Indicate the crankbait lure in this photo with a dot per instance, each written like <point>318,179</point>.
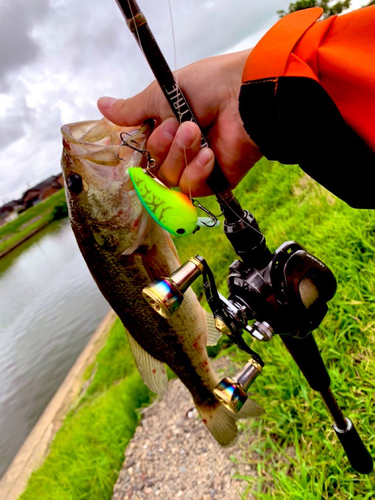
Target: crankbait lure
<point>172,210</point>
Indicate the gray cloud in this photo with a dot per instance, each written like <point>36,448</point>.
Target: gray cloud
<point>215,26</point>
<point>18,18</point>
<point>12,126</point>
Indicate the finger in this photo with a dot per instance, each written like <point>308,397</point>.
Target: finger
<point>185,146</point>
<point>150,103</point>
<point>160,140</point>
<point>195,175</point>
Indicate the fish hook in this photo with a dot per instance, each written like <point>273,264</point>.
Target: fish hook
<point>213,218</point>
<point>151,162</point>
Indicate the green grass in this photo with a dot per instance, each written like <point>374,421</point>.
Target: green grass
<point>88,451</point>
<point>296,453</point>
<point>31,220</point>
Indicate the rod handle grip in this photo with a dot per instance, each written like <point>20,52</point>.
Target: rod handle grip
<point>358,455</point>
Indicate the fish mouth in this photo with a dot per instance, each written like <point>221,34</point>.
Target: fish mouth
<point>97,149</point>
<point>100,141</point>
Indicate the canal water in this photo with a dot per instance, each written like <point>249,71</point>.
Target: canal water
<point>49,308</point>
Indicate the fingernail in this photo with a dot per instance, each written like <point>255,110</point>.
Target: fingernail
<point>170,127</point>
<point>205,155</point>
<point>106,102</point>
<point>186,135</point>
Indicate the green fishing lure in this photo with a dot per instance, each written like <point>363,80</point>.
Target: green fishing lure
<point>172,210</point>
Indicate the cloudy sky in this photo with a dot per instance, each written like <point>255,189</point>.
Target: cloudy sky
<point>59,56</point>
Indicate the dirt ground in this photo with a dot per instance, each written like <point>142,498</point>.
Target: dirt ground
<point>173,456</point>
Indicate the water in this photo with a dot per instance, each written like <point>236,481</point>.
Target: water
<point>49,307</point>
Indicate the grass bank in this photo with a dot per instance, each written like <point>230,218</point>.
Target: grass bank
<point>31,221</point>
<point>88,451</point>
<point>296,453</point>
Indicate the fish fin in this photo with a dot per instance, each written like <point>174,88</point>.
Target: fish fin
<point>142,230</point>
<point>249,409</point>
<point>213,334</point>
<point>150,369</point>
<point>220,422</point>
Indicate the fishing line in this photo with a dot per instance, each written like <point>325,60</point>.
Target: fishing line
<point>175,74</point>
<point>179,115</point>
<point>178,87</point>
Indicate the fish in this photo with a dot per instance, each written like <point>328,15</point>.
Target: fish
<point>125,250</point>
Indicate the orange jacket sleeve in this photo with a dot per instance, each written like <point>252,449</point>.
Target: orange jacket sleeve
<point>308,97</point>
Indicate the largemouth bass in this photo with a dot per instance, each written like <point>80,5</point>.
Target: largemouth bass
<point>125,250</point>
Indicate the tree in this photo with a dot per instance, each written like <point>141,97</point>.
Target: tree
<point>332,10</point>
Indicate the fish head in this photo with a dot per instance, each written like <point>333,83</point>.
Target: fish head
<point>102,202</point>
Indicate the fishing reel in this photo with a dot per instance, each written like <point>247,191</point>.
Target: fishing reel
<point>283,293</point>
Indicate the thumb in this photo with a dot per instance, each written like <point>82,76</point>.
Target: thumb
<point>150,103</point>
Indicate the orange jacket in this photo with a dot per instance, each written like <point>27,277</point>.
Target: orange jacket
<point>308,97</point>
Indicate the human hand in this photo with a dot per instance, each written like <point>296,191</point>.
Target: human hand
<point>211,87</point>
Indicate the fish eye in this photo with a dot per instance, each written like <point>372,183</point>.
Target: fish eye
<point>74,183</point>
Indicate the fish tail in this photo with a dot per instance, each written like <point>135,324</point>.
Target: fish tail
<point>222,422</point>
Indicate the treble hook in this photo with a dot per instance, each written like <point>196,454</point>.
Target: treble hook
<point>214,219</point>
<point>151,162</point>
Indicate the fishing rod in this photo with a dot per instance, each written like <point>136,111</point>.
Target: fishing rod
<point>283,293</point>
<point>137,24</point>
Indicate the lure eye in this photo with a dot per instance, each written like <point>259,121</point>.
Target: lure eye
<point>74,183</point>
<point>180,231</point>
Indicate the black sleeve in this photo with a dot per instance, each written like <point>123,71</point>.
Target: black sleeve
<point>294,121</point>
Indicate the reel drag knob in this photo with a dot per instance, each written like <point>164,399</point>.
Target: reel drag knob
<point>232,392</point>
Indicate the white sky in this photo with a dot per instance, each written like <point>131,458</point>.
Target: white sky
<point>59,56</point>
